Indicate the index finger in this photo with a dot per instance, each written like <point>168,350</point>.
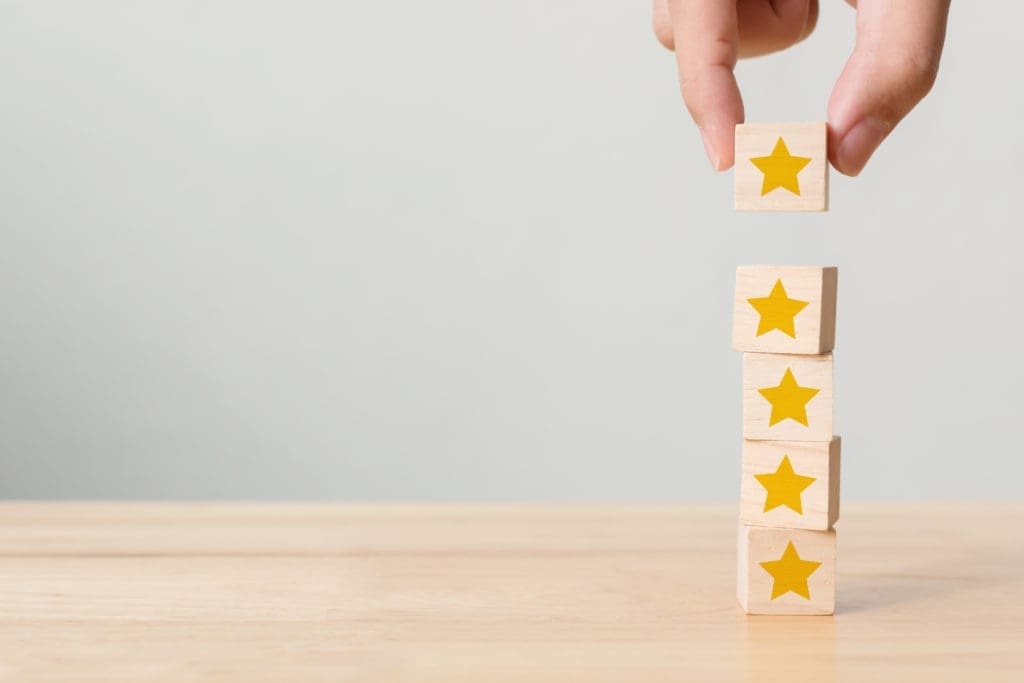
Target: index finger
<point>706,43</point>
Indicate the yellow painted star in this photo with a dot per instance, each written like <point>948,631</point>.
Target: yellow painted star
<point>784,487</point>
<point>790,573</point>
<point>789,400</point>
<point>780,169</point>
<point>777,311</point>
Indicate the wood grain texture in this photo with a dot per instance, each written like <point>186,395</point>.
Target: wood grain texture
<point>758,544</point>
<point>819,502</point>
<point>813,327</point>
<point>767,370</point>
<point>757,140</point>
<point>500,593</point>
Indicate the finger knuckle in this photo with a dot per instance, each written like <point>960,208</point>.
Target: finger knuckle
<point>916,72</point>
<point>663,32</point>
<point>661,22</point>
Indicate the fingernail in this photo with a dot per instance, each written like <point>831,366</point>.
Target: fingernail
<point>709,149</point>
<point>859,144</point>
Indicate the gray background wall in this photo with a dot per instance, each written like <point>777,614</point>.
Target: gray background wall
<point>464,250</point>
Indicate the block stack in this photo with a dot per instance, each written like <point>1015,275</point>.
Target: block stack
<point>784,323</point>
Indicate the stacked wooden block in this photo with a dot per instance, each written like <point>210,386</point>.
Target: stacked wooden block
<point>784,323</point>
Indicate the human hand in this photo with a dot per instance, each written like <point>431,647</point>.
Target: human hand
<point>893,65</point>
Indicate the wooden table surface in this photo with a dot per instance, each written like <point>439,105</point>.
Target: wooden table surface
<point>485,594</point>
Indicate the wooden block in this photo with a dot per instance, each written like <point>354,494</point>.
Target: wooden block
<point>785,309</point>
<point>787,398</point>
<point>782,167</point>
<point>786,571</point>
<point>793,484</point>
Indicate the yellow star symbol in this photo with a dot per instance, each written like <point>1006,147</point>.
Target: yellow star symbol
<point>780,169</point>
<point>784,487</point>
<point>777,311</point>
<point>790,573</point>
<point>789,400</point>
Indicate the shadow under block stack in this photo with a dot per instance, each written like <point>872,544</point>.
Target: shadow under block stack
<point>784,323</point>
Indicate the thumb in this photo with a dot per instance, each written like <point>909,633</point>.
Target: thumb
<point>892,68</point>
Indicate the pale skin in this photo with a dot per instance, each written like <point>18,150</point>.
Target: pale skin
<point>893,65</point>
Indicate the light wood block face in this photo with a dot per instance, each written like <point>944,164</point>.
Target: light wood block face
<point>792,484</point>
<point>785,309</point>
<point>787,398</point>
<point>781,167</point>
<point>786,571</point>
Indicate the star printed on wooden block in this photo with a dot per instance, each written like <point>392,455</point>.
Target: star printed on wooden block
<point>784,486</point>
<point>790,573</point>
<point>777,311</point>
<point>780,169</point>
<point>789,400</point>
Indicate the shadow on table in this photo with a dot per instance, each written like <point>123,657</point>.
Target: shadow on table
<point>938,574</point>
<point>928,564</point>
<point>867,592</point>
